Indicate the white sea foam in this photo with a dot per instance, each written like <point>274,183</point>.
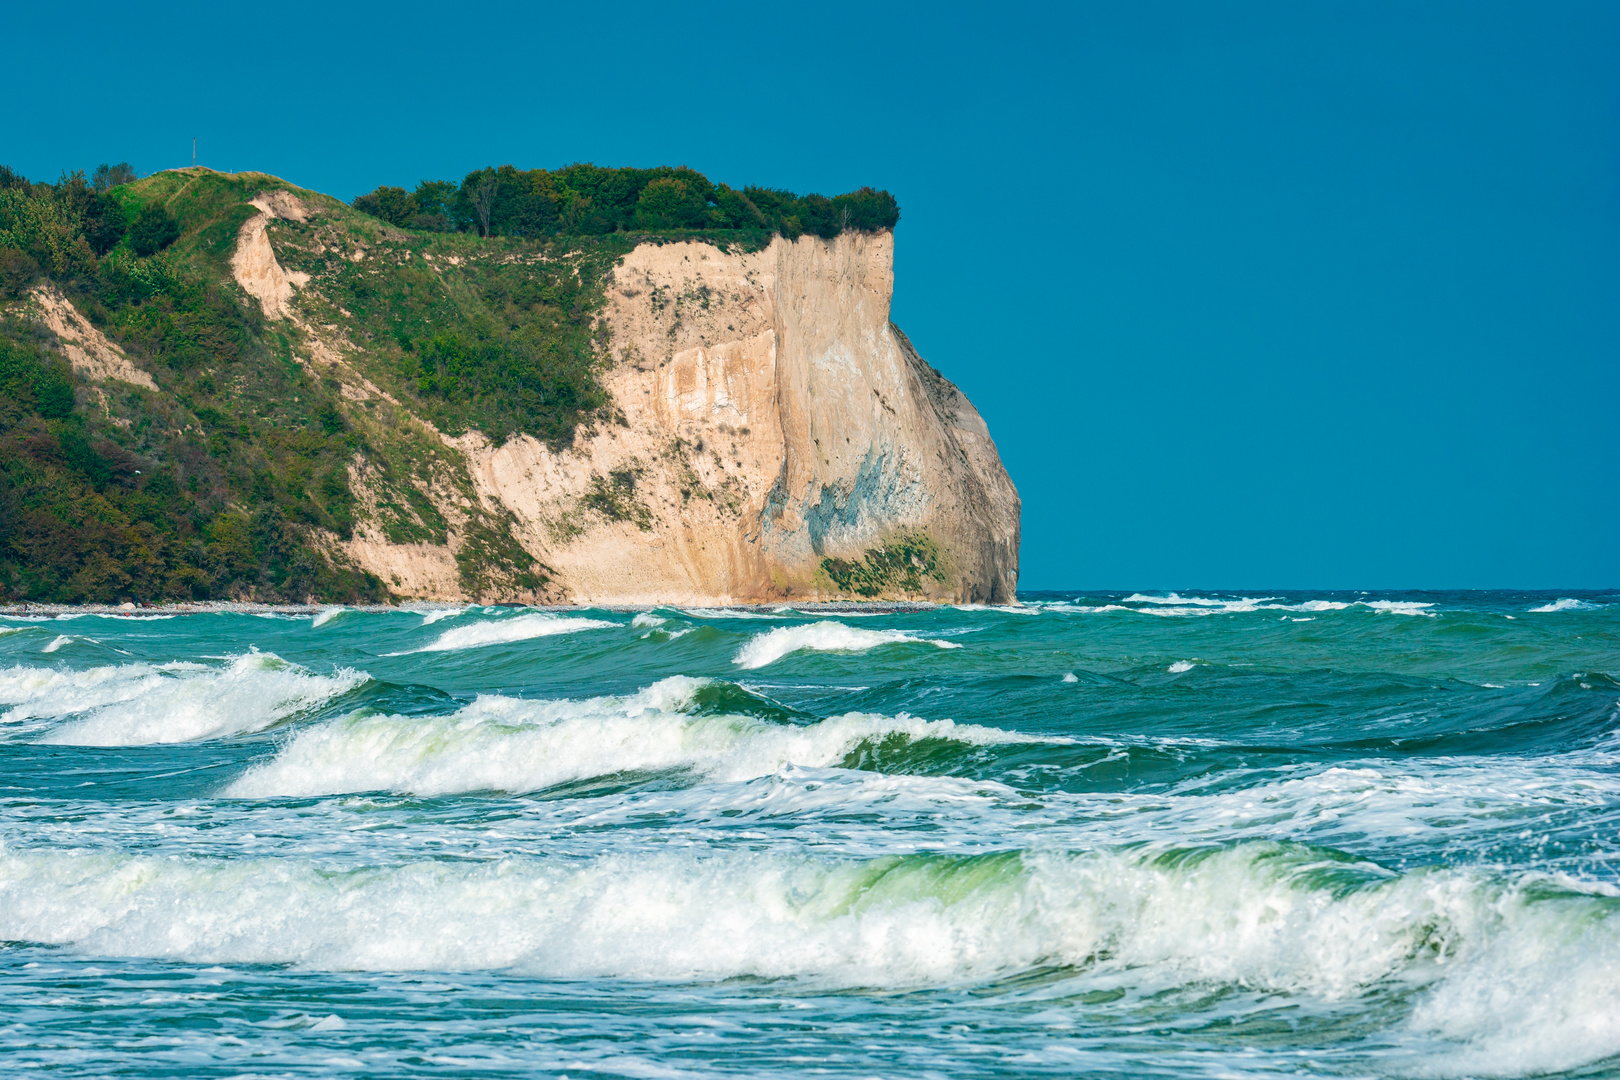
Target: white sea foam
<point>1398,607</point>
<point>1194,601</point>
<point>57,642</point>
<point>737,613</point>
<point>1181,666</point>
<point>511,744</point>
<point>503,631</point>
<point>1069,676</point>
<point>1516,973</point>
<point>1568,603</point>
<point>646,619</point>
<point>326,615</point>
<point>769,647</point>
<point>137,704</point>
<point>429,617</point>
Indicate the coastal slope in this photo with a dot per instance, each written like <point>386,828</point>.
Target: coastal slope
<point>284,398</point>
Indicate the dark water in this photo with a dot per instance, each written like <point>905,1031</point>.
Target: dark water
<point>1101,835</point>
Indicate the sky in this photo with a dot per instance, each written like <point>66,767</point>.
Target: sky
<point>1251,295</point>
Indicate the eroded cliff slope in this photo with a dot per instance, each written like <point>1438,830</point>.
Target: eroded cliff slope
<point>777,437</point>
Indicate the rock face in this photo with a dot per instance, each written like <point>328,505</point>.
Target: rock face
<point>777,438</point>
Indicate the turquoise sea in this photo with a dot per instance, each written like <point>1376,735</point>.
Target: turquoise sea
<point>1104,834</point>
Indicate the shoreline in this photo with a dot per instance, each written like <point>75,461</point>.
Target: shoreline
<point>240,607</point>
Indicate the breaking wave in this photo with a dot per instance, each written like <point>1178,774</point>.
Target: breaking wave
<point>516,745</point>
<point>503,631</point>
<point>1567,603</point>
<point>1517,968</point>
<point>140,704</point>
<point>829,636</point>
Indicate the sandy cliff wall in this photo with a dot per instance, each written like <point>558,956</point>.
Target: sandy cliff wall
<point>772,419</point>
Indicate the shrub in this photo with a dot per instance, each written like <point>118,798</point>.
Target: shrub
<point>154,229</point>
<point>17,271</point>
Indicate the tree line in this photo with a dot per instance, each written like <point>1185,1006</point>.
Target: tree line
<point>591,200</point>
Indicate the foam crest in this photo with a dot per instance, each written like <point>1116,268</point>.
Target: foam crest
<point>1568,603</point>
<point>139,704</point>
<point>1398,607</point>
<point>326,615</point>
<point>737,613</point>
<point>429,617</point>
<point>503,631</point>
<point>511,744</point>
<point>1518,971</point>
<point>829,636</point>
<point>1192,601</point>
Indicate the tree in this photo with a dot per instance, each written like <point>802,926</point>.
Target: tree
<point>392,204</point>
<point>435,203</point>
<point>154,229</point>
<point>483,202</point>
<point>668,203</point>
<point>106,177</point>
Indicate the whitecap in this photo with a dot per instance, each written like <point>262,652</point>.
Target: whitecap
<point>139,704</point>
<point>646,619</point>
<point>1398,607</point>
<point>438,614</point>
<point>57,642</point>
<point>326,615</point>
<point>1181,666</point>
<point>1568,603</point>
<point>825,636</point>
<point>737,613</point>
<point>1513,974</point>
<point>510,744</point>
<point>503,631</point>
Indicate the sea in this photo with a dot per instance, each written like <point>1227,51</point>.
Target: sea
<point>1099,834</point>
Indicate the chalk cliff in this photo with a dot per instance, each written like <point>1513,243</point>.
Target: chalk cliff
<point>776,434</point>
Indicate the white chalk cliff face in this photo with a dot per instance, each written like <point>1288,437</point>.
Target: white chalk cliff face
<point>776,433</point>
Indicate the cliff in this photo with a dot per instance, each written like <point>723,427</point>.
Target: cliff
<point>776,433</point>
<point>630,420</point>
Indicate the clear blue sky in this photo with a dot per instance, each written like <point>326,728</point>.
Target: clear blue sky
<point>1251,294</point>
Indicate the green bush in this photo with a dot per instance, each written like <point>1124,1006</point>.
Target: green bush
<point>18,270</point>
<point>154,229</point>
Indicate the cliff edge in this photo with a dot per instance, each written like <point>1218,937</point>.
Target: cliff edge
<point>777,437</point>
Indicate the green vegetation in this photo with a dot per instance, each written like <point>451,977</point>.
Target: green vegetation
<point>901,565</point>
<point>589,200</point>
<point>217,487</point>
<point>445,310</point>
<point>614,497</point>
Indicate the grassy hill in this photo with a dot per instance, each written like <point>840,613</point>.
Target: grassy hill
<point>269,441</point>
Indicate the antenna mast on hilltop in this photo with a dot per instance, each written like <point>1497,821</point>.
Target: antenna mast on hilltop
<point>194,151</point>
